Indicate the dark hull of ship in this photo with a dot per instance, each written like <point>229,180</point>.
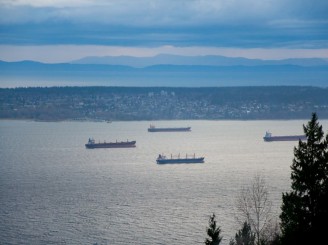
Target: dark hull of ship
<point>112,145</point>
<point>181,160</point>
<point>285,138</point>
<point>168,129</point>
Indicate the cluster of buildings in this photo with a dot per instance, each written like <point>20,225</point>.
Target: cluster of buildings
<point>164,104</point>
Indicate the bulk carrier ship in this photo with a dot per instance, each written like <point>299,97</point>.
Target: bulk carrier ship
<point>122,144</point>
<point>152,128</point>
<point>161,159</point>
<point>268,137</point>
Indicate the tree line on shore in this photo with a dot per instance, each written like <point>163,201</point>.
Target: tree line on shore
<point>304,209</point>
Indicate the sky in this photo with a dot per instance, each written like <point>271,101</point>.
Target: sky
<point>60,30</point>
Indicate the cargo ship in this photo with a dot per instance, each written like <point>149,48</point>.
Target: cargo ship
<point>268,137</point>
<point>152,128</point>
<point>122,144</point>
<point>161,159</point>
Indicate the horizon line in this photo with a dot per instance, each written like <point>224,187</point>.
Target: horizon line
<point>70,53</point>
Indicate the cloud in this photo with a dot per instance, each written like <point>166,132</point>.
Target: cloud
<point>233,23</point>
<point>48,3</point>
<point>165,12</point>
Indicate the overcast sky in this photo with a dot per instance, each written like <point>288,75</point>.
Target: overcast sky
<point>62,30</point>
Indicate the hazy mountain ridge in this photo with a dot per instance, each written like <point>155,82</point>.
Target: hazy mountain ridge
<point>207,60</point>
<point>165,74</point>
<point>27,65</point>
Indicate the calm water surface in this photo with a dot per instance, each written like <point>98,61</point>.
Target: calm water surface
<point>54,191</point>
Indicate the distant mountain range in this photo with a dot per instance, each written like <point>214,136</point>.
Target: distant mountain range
<point>208,60</point>
<point>167,70</point>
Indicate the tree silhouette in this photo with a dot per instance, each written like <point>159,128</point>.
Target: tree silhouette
<point>305,208</point>
<point>213,232</point>
<point>245,236</point>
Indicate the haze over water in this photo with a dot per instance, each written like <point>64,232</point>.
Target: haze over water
<point>54,191</point>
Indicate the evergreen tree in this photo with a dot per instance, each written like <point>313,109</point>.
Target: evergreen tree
<point>305,208</point>
<point>245,236</point>
<point>213,232</point>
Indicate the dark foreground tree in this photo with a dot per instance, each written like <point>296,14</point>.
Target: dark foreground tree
<point>304,214</point>
<point>213,232</point>
<point>245,236</point>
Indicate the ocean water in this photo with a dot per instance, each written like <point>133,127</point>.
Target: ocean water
<point>54,191</point>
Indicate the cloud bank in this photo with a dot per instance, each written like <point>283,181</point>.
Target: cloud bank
<point>61,30</point>
<point>163,12</point>
<point>233,24</point>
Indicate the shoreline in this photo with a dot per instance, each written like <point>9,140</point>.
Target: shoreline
<point>159,120</point>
